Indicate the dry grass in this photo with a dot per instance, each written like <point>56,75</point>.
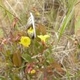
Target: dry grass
<point>52,14</point>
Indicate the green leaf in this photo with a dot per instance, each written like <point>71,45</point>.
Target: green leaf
<point>67,18</point>
<point>65,22</point>
<point>2,78</point>
<point>14,76</point>
<point>27,57</point>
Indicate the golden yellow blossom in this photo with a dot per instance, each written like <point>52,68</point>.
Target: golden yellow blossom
<point>30,30</point>
<point>43,37</point>
<point>33,71</point>
<point>25,41</point>
<point>37,13</point>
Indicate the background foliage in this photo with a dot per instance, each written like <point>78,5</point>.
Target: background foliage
<point>55,59</point>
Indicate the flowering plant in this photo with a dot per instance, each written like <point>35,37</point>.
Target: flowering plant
<point>26,57</point>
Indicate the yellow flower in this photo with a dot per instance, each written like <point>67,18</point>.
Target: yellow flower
<point>37,13</point>
<point>30,30</point>
<point>25,41</point>
<point>33,71</point>
<point>43,37</point>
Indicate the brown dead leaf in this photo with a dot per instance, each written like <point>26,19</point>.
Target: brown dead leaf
<point>41,29</point>
<point>58,67</point>
<point>55,65</point>
<point>17,61</point>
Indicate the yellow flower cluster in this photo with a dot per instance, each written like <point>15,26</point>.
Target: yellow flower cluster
<point>26,41</point>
